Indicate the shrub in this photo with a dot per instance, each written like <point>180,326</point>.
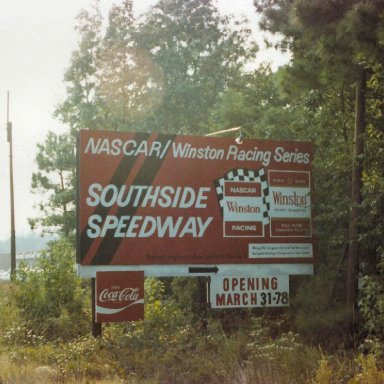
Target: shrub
<point>371,309</point>
<point>369,372</point>
<point>278,357</point>
<point>317,316</point>
<point>325,374</point>
<point>50,297</point>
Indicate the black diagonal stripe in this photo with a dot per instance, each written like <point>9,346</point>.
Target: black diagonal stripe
<point>118,178</point>
<point>145,176</point>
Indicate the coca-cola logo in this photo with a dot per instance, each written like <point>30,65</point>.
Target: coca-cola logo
<point>119,295</point>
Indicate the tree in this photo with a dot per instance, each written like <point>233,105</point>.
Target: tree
<point>81,108</point>
<point>50,297</point>
<point>130,84</point>
<point>54,183</point>
<point>55,180</point>
<point>199,53</point>
<point>167,73</point>
<point>335,44</point>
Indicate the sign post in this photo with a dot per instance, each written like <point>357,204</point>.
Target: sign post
<point>96,326</point>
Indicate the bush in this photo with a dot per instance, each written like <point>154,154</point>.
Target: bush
<point>280,358</point>
<point>317,316</point>
<point>371,309</point>
<point>368,373</point>
<point>50,297</point>
<point>169,345</point>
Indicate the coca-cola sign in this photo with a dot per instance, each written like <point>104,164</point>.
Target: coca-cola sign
<point>119,296</point>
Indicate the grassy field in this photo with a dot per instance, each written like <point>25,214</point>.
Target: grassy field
<point>48,341</point>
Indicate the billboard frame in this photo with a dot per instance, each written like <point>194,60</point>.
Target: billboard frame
<point>185,270</point>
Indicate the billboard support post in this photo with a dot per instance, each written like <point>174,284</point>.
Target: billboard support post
<point>96,327</point>
<point>202,300</point>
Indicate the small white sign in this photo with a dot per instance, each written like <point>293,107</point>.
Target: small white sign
<point>249,291</point>
<point>280,250</point>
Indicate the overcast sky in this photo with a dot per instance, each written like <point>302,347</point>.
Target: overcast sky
<point>36,41</point>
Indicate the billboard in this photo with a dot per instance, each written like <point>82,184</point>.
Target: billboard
<point>156,199</point>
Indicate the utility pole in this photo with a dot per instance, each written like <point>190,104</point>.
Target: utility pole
<point>13,236</point>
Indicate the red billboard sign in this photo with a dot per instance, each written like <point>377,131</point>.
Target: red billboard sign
<point>119,296</point>
<point>151,199</point>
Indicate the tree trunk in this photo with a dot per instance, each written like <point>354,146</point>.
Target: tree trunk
<point>356,190</point>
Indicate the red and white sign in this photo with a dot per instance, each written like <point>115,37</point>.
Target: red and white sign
<point>153,199</point>
<point>249,291</point>
<point>119,296</point>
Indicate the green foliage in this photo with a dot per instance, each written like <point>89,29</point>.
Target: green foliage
<point>278,357</point>
<point>199,54</point>
<point>54,184</point>
<point>80,108</point>
<point>327,39</point>
<point>256,103</point>
<point>317,314</point>
<point>373,176</point>
<point>324,373</point>
<point>185,293</point>
<point>328,42</point>
<point>369,372</point>
<point>83,357</point>
<point>180,69</point>
<point>371,309</point>
<point>170,346</point>
<point>50,297</point>
<point>167,73</point>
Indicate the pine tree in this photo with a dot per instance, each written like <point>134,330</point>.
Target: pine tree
<point>54,183</point>
<point>335,44</point>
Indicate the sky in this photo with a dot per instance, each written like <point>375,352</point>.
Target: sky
<point>36,41</point>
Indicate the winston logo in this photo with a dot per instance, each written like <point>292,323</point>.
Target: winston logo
<point>292,199</point>
<point>120,296</point>
<point>243,196</point>
<point>233,206</point>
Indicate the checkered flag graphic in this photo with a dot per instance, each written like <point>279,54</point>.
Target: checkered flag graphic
<point>246,175</point>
